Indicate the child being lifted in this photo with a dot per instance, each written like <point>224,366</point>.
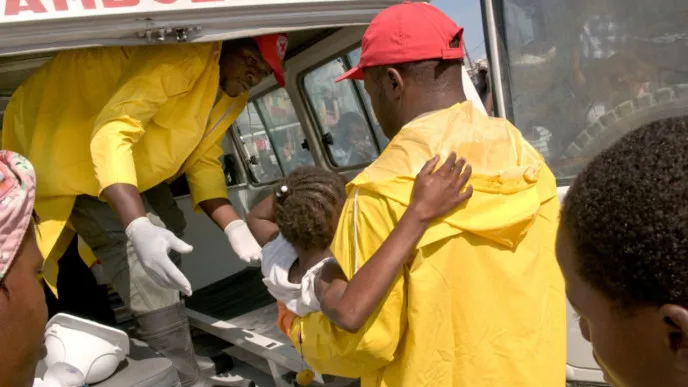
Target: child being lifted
<point>296,226</point>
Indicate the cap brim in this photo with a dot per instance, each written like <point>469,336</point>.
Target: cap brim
<point>354,73</point>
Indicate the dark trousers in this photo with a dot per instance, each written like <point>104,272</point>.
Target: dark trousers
<point>80,294</point>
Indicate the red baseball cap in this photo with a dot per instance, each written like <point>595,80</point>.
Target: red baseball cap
<point>273,48</point>
<point>407,32</point>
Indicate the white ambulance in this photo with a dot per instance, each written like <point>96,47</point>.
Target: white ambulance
<point>572,76</point>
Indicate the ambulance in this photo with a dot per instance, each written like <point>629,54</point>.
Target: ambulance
<point>573,76</point>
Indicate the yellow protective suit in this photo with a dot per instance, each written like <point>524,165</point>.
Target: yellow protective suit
<point>138,115</point>
<point>483,302</point>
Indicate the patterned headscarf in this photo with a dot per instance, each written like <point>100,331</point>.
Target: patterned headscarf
<point>17,194</point>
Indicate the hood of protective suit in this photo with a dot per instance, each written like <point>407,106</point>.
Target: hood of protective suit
<point>506,170</point>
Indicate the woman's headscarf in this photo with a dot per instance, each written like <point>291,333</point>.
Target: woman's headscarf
<point>17,194</point>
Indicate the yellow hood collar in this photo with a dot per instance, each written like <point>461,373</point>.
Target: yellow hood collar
<point>510,179</point>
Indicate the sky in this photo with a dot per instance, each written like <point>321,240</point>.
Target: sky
<point>467,14</point>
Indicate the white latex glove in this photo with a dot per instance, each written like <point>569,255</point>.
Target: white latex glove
<point>152,245</point>
<point>243,243</point>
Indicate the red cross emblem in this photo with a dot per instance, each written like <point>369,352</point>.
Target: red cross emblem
<point>281,46</point>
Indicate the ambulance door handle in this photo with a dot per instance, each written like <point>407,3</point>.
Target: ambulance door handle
<point>328,139</point>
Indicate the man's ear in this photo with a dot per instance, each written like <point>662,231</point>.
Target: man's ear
<point>675,320</point>
<point>396,82</point>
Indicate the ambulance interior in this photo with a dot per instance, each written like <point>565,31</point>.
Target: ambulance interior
<point>315,121</point>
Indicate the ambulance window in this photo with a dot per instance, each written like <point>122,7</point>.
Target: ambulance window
<point>229,162</point>
<point>256,147</point>
<point>284,130</point>
<point>341,117</point>
<point>579,75</point>
<point>354,57</point>
<point>270,136</point>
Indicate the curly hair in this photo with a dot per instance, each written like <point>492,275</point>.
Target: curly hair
<point>627,217</point>
<point>307,205</point>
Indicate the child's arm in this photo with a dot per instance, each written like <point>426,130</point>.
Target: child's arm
<point>350,304</point>
<point>261,221</point>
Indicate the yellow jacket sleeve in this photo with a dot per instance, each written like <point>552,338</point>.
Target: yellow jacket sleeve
<point>10,140</point>
<point>206,178</point>
<point>151,77</point>
<point>324,346</point>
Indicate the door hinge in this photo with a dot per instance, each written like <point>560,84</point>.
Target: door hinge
<point>180,34</point>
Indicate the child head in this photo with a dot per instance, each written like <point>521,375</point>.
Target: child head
<point>307,207</point>
<point>23,312</point>
<point>622,246</point>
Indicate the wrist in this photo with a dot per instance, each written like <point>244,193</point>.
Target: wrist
<point>233,225</point>
<point>416,214</point>
<point>130,229</point>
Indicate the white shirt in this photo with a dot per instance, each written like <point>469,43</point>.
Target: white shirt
<point>278,257</point>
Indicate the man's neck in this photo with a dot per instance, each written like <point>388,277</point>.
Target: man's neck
<point>433,103</point>
<point>425,114</point>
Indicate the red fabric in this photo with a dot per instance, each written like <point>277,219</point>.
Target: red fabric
<point>284,318</point>
<point>407,32</point>
<point>273,48</point>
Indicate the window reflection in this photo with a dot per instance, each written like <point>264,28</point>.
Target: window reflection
<point>354,58</point>
<point>584,73</point>
<point>256,145</point>
<point>271,137</point>
<point>285,130</point>
<point>340,116</point>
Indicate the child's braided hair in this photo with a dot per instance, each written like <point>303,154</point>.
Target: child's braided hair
<point>307,206</point>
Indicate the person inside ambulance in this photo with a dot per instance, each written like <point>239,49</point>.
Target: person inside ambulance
<point>106,129</point>
<point>482,303</point>
<point>23,312</point>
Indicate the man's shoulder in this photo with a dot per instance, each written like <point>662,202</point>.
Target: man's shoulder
<point>173,54</point>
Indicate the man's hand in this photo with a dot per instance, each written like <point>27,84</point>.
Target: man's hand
<point>436,194</point>
<point>240,238</point>
<point>152,245</point>
<point>243,242</point>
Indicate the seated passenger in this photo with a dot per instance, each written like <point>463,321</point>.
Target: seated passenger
<point>357,146</point>
<point>296,226</point>
<point>622,246</point>
<point>23,312</point>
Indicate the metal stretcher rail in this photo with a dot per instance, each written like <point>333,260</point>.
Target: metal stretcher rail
<point>240,311</point>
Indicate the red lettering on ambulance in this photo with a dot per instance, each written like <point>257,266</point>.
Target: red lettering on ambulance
<point>89,4</point>
<point>60,5</point>
<point>120,3</point>
<point>13,7</point>
<point>165,1</point>
<point>204,1</point>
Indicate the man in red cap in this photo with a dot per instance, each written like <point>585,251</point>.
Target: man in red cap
<point>481,301</point>
<point>106,129</point>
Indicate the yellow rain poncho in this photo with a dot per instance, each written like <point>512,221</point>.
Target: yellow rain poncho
<point>138,115</point>
<point>483,302</point>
